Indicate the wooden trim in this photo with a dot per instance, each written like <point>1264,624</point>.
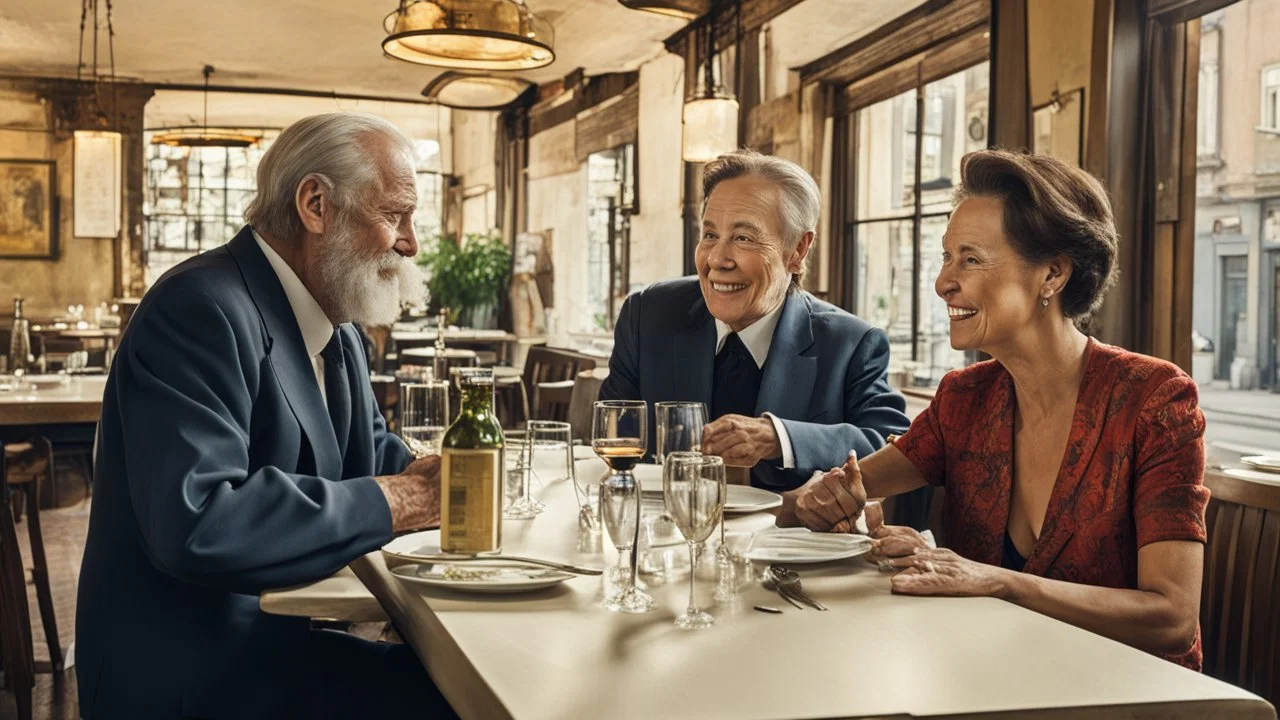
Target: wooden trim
<point>1181,11</point>
<point>755,14</point>
<point>1184,249</point>
<point>1242,492</point>
<point>1009,94</point>
<point>609,125</point>
<point>1162,290</point>
<point>591,93</point>
<point>927,26</point>
<point>963,52</point>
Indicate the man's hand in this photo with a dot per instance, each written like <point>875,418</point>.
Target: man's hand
<point>414,495</point>
<point>740,440</point>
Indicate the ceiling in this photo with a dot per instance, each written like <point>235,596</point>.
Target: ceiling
<point>335,46</point>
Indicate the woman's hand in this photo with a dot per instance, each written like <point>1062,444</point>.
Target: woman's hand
<point>830,502</point>
<point>942,572</point>
<point>894,541</point>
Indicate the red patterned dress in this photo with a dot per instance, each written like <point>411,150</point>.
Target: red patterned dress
<point>1131,474</point>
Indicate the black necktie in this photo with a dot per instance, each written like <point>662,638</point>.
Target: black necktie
<point>337,389</point>
<point>737,380</point>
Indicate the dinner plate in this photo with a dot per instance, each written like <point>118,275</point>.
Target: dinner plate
<point>1270,463</point>
<point>488,578</point>
<point>1269,478</point>
<point>800,545</point>
<point>738,500</point>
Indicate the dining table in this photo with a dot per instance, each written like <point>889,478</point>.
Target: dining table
<point>77,399</point>
<point>557,653</point>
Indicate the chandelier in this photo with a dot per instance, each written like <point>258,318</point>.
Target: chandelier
<point>469,35</point>
<point>710,122</point>
<point>204,136</point>
<point>475,92</point>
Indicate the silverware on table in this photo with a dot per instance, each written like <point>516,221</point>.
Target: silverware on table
<point>771,584</point>
<point>509,559</point>
<point>788,581</point>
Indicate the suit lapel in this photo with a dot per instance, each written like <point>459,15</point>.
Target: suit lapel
<point>789,373</point>
<point>340,393</point>
<point>692,359</point>
<point>1062,515</point>
<point>287,353</point>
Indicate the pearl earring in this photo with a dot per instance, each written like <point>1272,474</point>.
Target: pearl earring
<point>1044,302</point>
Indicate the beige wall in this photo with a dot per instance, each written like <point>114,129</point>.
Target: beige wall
<point>83,273</point>
<point>474,167</point>
<point>657,232</point>
<point>558,203</point>
<point>1059,49</point>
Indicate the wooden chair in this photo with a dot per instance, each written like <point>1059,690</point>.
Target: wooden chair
<point>586,390</point>
<point>15,616</point>
<point>549,377</point>
<point>1240,597</point>
<point>29,466</point>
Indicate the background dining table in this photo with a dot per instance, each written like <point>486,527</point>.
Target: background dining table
<point>556,653</point>
<point>78,400</point>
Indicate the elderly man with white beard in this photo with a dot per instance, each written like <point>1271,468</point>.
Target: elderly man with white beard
<point>240,449</point>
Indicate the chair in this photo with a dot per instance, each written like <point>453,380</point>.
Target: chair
<point>586,389</point>
<point>29,465</point>
<point>1240,597</point>
<point>549,376</point>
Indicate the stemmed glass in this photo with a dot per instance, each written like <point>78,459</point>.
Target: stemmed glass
<point>619,436</point>
<point>424,416</point>
<point>679,427</point>
<point>694,488</point>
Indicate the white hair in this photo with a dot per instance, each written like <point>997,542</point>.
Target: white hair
<point>799,197</point>
<point>333,147</point>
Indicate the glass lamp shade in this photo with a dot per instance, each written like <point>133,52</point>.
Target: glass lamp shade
<point>203,137</point>
<point>710,128</point>
<point>683,9</point>
<point>475,92</point>
<point>469,35</point>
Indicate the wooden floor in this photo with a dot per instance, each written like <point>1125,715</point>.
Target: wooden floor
<point>64,533</point>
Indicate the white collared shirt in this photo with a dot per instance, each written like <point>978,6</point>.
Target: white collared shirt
<point>316,328</point>
<point>758,338</point>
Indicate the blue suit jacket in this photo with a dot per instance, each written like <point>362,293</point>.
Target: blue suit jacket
<point>825,376</point>
<point>219,474</point>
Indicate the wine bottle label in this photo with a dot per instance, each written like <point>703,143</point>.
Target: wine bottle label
<point>471,510</point>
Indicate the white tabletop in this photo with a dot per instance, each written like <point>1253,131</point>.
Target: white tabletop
<point>453,336</point>
<point>79,400</point>
<point>558,654</point>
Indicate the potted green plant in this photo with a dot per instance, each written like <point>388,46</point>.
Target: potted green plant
<point>467,277</point>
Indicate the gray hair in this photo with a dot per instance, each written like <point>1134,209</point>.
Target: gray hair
<point>799,198</point>
<point>335,148</point>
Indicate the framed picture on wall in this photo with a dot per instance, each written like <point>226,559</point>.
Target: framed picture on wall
<point>95,186</point>
<point>28,210</point>
<point>1059,127</point>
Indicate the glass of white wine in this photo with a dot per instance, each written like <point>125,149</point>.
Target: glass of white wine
<point>619,437</point>
<point>693,486</point>
<point>424,416</point>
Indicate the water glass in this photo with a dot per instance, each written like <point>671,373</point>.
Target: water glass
<point>679,427</point>
<point>619,436</point>
<point>693,486</point>
<point>424,416</point>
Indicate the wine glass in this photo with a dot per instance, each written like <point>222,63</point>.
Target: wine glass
<point>693,486</point>
<point>424,416</point>
<point>679,427</point>
<point>619,436</point>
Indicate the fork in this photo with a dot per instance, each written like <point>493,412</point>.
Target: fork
<point>789,580</point>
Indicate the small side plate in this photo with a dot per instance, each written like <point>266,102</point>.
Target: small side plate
<point>488,578</point>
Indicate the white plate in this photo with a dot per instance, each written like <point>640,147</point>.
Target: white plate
<point>1269,478</point>
<point>799,545</point>
<point>1270,463</point>
<point>480,578</point>
<point>739,499</point>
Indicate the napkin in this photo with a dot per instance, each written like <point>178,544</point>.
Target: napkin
<point>789,543</point>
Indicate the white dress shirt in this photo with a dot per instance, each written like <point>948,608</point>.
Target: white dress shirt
<point>758,338</point>
<point>316,328</point>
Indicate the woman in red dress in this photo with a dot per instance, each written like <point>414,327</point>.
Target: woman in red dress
<point>1072,468</point>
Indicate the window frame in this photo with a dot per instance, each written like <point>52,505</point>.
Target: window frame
<point>1272,107</point>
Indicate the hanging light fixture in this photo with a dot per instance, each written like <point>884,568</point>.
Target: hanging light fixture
<point>683,9</point>
<point>469,35</point>
<point>711,118</point>
<point>204,136</point>
<point>475,92</point>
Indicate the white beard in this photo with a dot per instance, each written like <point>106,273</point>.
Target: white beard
<point>356,287</point>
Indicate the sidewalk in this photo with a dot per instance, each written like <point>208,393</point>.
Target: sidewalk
<point>1262,405</point>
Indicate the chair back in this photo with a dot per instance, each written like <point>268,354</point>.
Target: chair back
<point>1240,597</point>
<point>549,377</point>
<point>586,390</point>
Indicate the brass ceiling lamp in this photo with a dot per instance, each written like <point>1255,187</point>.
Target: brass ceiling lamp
<point>710,122</point>
<point>683,9</point>
<point>475,92</point>
<point>204,136</point>
<point>469,35</point>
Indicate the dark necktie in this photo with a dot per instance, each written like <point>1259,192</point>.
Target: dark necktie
<point>337,389</point>
<point>737,380</point>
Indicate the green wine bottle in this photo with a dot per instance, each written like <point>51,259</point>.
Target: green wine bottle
<point>471,470</point>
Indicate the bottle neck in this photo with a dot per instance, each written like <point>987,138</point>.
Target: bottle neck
<point>477,401</point>
<point>17,308</point>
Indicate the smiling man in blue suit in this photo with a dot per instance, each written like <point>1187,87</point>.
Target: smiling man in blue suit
<point>793,384</point>
<point>240,449</point>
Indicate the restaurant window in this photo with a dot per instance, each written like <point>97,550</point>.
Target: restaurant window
<point>610,203</point>
<point>898,225</point>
